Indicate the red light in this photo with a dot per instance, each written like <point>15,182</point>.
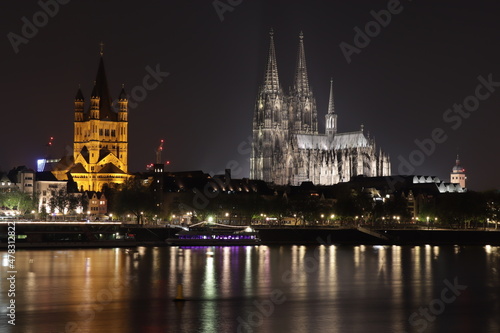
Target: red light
<point>168,162</point>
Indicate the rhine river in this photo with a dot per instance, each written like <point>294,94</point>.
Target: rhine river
<point>324,288</point>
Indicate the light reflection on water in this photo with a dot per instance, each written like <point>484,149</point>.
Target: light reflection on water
<point>321,288</point>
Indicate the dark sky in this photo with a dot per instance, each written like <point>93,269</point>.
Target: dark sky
<point>400,85</point>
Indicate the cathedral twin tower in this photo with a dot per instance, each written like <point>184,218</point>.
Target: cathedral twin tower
<point>287,147</point>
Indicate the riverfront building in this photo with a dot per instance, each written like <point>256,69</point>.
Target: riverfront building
<point>100,147</point>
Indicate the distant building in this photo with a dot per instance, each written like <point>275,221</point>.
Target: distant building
<point>6,183</point>
<point>457,175</point>
<point>440,185</point>
<point>24,178</point>
<point>287,147</point>
<point>97,204</point>
<point>184,194</point>
<point>47,164</point>
<point>47,186</point>
<point>100,148</point>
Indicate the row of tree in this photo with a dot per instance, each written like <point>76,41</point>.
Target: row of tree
<point>138,200</point>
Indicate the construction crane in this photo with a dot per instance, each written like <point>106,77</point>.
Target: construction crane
<point>158,152</point>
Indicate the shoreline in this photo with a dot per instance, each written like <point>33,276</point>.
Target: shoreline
<point>303,236</point>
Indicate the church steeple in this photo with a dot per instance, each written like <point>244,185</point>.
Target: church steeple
<point>100,145</point>
<point>331,105</point>
<point>301,80</point>
<point>331,116</point>
<point>271,79</point>
<point>101,90</point>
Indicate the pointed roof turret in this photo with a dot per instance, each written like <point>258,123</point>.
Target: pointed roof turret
<point>458,168</point>
<point>123,94</point>
<point>79,94</point>
<point>301,80</point>
<point>331,105</point>
<point>271,79</point>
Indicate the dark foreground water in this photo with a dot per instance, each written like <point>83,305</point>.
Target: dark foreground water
<point>256,289</point>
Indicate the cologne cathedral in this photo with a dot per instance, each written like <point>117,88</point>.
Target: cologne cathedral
<point>287,147</point>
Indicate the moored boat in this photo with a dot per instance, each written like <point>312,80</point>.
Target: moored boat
<point>210,236</point>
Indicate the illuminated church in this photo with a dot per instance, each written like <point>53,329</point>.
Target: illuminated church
<point>100,146</point>
<point>287,147</point>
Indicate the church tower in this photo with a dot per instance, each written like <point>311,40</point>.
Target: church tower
<point>100,146</point>
<point>303,110</point>
<point>458,174</point>
<point>270,123</point>
<point>331,116</point>
<point>287,147</point>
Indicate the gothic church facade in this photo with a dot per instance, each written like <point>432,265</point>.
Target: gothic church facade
<point>100,146</point>
<point>287,147</point>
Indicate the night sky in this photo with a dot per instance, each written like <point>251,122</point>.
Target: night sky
<point>400,85</point>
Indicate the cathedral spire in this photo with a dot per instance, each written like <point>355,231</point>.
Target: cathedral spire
<point>271,79</point>
<point>331,105</point>
<point>301,81</point>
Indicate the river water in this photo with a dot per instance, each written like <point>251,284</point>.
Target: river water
<point>324,288</point>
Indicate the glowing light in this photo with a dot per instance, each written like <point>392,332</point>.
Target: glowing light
<point>61,223</point>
